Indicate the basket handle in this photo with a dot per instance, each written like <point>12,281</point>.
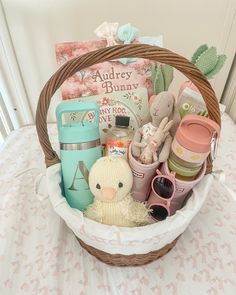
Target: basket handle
<point>150,52</point>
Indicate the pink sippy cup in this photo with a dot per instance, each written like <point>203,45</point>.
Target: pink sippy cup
<point>191,145</point>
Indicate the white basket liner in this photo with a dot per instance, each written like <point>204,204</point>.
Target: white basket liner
<point>123,240</point>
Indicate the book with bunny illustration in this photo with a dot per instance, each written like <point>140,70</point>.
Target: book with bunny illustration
<point>124,74</point>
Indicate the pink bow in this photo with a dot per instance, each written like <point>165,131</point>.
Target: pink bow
<point>107,31</point>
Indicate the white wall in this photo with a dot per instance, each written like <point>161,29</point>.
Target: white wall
<point>35,26</point>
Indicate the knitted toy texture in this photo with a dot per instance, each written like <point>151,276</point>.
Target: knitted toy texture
<point>162,76</point>
<point>207,60</point>
<point>110,181</point>
<point>209,63</point>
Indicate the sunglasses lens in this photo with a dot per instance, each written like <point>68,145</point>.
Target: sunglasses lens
<point>158,212</point>
<point>163,187</point>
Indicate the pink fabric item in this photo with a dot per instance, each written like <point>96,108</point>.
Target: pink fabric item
<point>143,175</point>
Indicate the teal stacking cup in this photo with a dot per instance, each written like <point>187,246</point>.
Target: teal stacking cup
<point>80,147</point>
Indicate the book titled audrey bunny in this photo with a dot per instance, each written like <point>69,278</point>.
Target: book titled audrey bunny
<point>125,74</point>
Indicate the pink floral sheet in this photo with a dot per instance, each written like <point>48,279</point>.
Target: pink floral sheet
<point>40,255</point>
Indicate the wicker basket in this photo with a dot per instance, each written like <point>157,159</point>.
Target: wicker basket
<point>134,50</point>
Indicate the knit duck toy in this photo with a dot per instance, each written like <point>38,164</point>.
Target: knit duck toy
<point>110,181</point>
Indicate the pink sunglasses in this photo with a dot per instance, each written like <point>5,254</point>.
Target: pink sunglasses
<point>162,193</point>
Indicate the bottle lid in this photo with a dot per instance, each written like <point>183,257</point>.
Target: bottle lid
<point>122,121</point>
<point>195,133</point>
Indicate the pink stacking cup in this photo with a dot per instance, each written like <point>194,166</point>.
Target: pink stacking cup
<point>182,187</point>
<point>143,175</point>
<point>193,139</point>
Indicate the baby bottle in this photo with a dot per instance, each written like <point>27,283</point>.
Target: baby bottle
<point>191,145</point>
<point>119,138</point>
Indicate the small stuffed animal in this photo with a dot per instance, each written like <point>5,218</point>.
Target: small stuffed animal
<point>161,106</point>
<point>110,181</point>
<point>149,153</point>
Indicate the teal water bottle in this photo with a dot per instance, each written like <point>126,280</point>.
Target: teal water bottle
<point>79,149</point>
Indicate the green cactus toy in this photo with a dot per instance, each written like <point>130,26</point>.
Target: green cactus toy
<point>162,76</point>
<point>209,63</point>
<point>207,60</point>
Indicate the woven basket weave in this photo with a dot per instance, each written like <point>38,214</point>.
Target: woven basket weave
<point>134,50</point>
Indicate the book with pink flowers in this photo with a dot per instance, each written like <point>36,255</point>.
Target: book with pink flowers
<point>124,74</point>
<point>106,77</point>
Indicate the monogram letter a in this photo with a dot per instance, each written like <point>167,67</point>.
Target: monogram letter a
<point>84,171</point>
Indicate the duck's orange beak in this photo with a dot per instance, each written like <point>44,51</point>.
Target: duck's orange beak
<point>108,193</point>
